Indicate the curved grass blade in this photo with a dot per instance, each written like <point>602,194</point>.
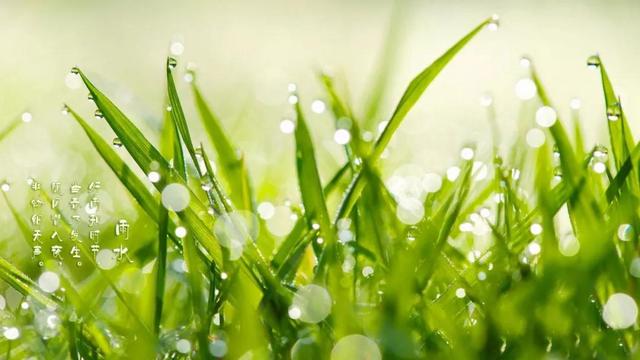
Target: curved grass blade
<point>414,91</point>
<point>310,186</point>
<point>619,130</point>
<point>416,88</point>
<point>233,167</point>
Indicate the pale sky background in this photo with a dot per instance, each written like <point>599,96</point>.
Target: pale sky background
<point>247,52</point>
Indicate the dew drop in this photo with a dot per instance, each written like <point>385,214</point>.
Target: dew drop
<point>546,116</point>
<point>467,153</point>
<point>287,126</point>
<point>342,136</point>
<point>620,311</point>
<point>5,186</point>
<point>575,104</point>
<point>318,106</point>
<point>176,48</point>
<point>613,112</point>
<point>313,302</point>
<point>218,348</point>
<point>181,232</point>
<point>305,349</point>
<point>73,81</point>
<point>266,210</point>
<point>625,232</point>
<point>535,138</point>
<point>494,23</point>
<point>634,268</point>
<point>172,63</point>
<point>11,333</point>
<point>410,211</point>
<point>153,176</point>
<point>593,61</point>
<point>49,281</point>
<point>526,89</point>
<point>453,173</point>
<point>98,114</point>
<point>26,117</point>
<point>183,346</point>
<point>535,229</point>
<point>599,167</point>
<point>117,142</point>
<point>367,271</point>
<point>355,347</point>
<point>175,197</point>
<point>106,259</point>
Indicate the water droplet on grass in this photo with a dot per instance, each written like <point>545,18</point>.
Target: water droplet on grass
<point>593,61</point>
<point>526,89</point>
<point>313,302</point>
<point>342,136</point>
<point>175,197</point>
<point>11,333</point>
<point>356,347</point>
<point>287,126</point>
<point>49,281</point>
<point>546,116</point>
<point>620,311</point>
<point>494,23</point>
<point>172,63</point>
<point>613,112</point>
<point>106,259</point>
<point>625,232</point>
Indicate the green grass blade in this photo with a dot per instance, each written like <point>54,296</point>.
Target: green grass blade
<point>416,88</point>
<point>309,182</point>
<point>231,160</point>
<point>9,129</point>
<point>411,95</point>
<point>178,117</point>
<point>619,130</point>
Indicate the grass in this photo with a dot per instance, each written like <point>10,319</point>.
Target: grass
<point>528,260</point>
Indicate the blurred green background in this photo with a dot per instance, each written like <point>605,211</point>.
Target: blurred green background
<point>246,52</point>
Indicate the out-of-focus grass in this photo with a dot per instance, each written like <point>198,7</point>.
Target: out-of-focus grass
<point>527,256</point>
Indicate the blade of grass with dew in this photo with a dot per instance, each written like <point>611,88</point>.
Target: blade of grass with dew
<point>298,233</point>
<point>254,254</point>
<point>145,155</point>
<point>414,91</point>
<point>194,275</point>
<point>23,284</point>
<point>134,185</point>
<point>619,130</point>
<point>315,211</point>
<point>583,207</point>
<point>166,150</point>
<point>354,148</point>
<point>233,167</point>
